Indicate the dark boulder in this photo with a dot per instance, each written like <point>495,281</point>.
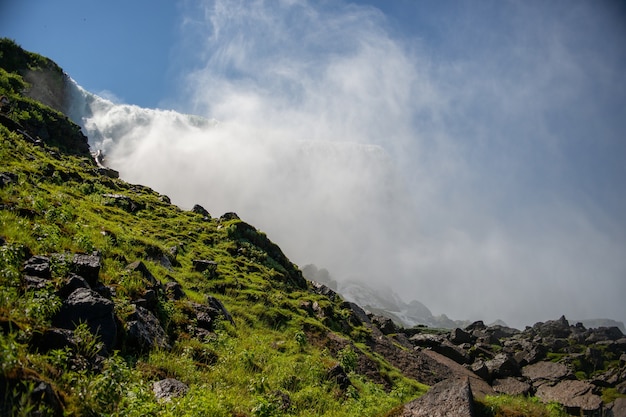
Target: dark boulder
<point>385,325</point>
<point>205,265</point>
<point>174,290</point>
<point>459,336</point>
<point>358,316</point>
<point>87,266</point>
<point>85,305</point>
<point>338,374</point>
<point>198,209</point>
<point>229,216</point>
<point>70,284</point>
<point>501,366</point>
<point>144,332</point>
<point>38,266</point>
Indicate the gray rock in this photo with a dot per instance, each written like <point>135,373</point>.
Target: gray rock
<point>511,386</point>
<point>576,396</point>
<point>323,289</point>
<point>337,374</point>
<point>542,372</point>
<point>502,365</point>
<point>617,408</point>
<point>452,397</point>
<point>169,388</point>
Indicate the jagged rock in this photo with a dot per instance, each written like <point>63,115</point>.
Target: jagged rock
<point>576,396</point>
<point>501,366</point>
<point>123,202</point>
<point>229,216</point>
<point>202,265</point>
<point>542,372</point>
<point>559,329</point>
<point>141,268</point>
<point>217,305</point>
<point>337,374</point>
<point>169,388</point>
<point>459,336</point>
<point>452,351</point>
<point>43,393</point>
<point>526,353</point>
<point>452,397</point>
<point>384,324</point>
<point>144,332</point>
<point>511,386</point>
<point>358,316</point>
<point>87,266</point>
<point>85,305</point>
<point>477,325</point>
<point>617,408</point>
<point>436,367</point>
<point>38,266</point>
<point>480,369</point>
<point>427,340</point>
<point>322,289</point>
<point>174,290</point>
<point>500,332</point>
<point>70,284</point>
<point>604,333</point>
<point>198,209</point>
<point>34,283</point>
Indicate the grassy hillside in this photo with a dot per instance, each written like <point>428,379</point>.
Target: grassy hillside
<point>268,361</point>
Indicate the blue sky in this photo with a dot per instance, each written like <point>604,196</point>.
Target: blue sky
<point>505,122</point>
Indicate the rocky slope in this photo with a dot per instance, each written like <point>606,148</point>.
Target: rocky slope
<point>115,301</point>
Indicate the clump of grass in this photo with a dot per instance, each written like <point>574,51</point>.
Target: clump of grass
<point>517,406</point>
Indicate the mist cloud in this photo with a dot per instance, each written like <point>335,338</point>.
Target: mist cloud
<point>453,177</point>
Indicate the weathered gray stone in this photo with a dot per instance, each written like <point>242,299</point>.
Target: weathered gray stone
<point>452,397</point>
<point>502,365</point>
<point>617,408</point>
<point>169,388</point>
<point>542,372</point>
<point>576,396</point>
<point>511,386</point>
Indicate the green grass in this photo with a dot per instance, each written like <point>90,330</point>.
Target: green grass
<point>516,406</point>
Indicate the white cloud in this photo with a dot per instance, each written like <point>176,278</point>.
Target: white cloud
<point>446,177</point>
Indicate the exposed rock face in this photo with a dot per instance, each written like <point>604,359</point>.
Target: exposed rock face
<point>452,397</point>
